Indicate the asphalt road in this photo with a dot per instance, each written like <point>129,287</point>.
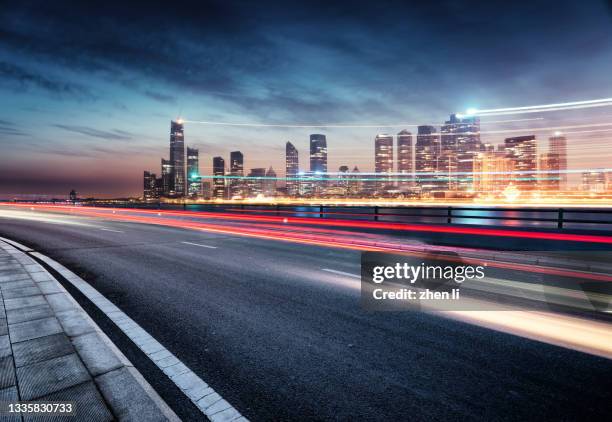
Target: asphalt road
<point>282,338</point>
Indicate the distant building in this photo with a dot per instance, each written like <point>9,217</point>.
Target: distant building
<point>270,183</point>
<point>404,158</point>
<point>383,161</point>
<point>594,181</point>
<point>237,185</point>
<point>427,152</point>
<point>167,176</point>
<point>318,153</point>
<point>291,169</point>
<point>177,158</point>
<point>558,146</point>
<point>459,145</point>
<point>548,177</point>
<point>193,172</point>
<point>522,150</point>
<point>256,182</point>
<point>355,184</point>
<point>492,173</point>
<point>149,186</point>
<point>219,178</point>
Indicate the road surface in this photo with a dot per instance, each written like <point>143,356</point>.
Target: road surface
<point>277,329</point>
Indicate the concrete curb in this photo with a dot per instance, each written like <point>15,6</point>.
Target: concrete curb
<point>128,395</point>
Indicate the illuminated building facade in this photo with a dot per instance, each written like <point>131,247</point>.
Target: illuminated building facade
<point>167,176</point>
<point>219,178</point>
<point>548,177</point>
<point>558,146</point>
<point>383,161</point>
<point>404,158</point>
<point>291,169</point>
<point>270,183</point>
<point>193,172</point>
<point>523,151</point>
<point>256,182</point>
<point>492,173</point>
<point>177,158</point>
<point>237,185</point>
<point>427,152</point>
<point>150,186</point>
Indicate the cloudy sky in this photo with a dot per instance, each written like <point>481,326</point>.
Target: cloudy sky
<point>87,92</point>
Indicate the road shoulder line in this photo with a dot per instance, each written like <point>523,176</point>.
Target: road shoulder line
<point>199,392</point>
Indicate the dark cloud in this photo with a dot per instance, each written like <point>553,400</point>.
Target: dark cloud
<point>25,78</point>
<point>9,128</point>
<point>96,133</point>
<point>158,96</point>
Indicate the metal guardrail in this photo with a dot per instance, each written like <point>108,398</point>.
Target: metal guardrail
<point>560,218</point>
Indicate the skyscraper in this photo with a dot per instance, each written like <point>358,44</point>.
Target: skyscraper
<point>558,145</point>
<point>149,186</point>
<point>383,160</point>
<point>404,157</point>
<point>492,173</point>
<point>291,169</point>
<point>193,171</point>
<point>523,152</point>
<point>167,177</point>
<point>427,152</point>
<point>459,145</point>
<point>219,182</point>
<point>236,183</point>
<point>318,153</point>
<point>177,158</point>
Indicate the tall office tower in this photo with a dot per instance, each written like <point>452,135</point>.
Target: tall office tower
<point>291,169</point>
<point>193,172</point>
<point>404,158</point>
<point>149,186</point>
<point>318,163</point>
<point>492,173</point>
<point>237,185</point>
<point>459,145</point>
<point>548,177</point>
<point>524,153</point>
<point>558,145</point>
<point>270,183</point>
<point>219,178</point>
<point>383,161</point>
<point>427,152</point>
<point>177,158</point>
<point>318,153</point>
<point>167,177</point>
<point>256,181</point>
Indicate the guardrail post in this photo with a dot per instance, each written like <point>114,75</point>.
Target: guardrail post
<point>320,211</point>
<point>184,206</point>
<point>376,213</point>
<point>449,215</point>
<point>277,210</point>
<point>560,219</point>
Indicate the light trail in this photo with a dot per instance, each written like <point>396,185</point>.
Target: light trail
<point>339,125</point>
<point>371,225</point>
<point>572,105</point>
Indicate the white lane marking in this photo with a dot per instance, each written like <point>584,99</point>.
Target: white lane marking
<point>198,244</point>
<point>111,230</point>
<point>199,392</point>
<point>341,273</point>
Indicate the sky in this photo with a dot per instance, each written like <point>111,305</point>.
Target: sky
<point>88,89</point>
